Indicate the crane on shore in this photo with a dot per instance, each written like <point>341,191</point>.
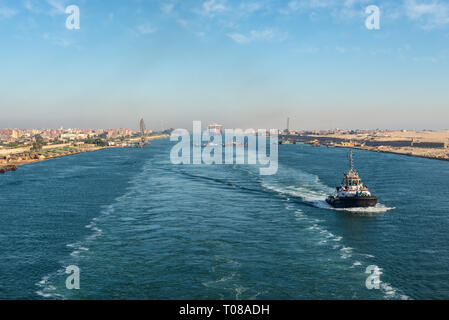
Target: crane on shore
<point>142,133</point>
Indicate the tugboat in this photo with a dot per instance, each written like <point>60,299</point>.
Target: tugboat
<point>352,193</point>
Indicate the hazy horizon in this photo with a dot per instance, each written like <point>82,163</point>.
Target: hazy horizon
<point>205,124</point>
<point>243,64</point>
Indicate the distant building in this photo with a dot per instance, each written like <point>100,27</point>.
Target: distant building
<point>73,136</point>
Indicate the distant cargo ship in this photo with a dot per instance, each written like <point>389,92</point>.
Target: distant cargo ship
<point>215,129</point>
<point>287,142</point>
<point>352,193</point>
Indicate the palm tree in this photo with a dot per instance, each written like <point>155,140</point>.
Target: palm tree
<point>38,143</point>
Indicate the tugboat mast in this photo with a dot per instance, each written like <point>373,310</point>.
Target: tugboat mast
<point>351,163</point>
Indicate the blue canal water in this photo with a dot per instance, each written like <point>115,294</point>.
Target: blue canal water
<point>139,227</point>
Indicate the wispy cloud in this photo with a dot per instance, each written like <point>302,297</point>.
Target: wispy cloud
<point>307,49</point>
<point>49,7</point>
<point>298,5</point>
<point>6,12</point>
<point>339,9</point>
<point>57,41</point>
<point>212,7</point>
<point>57,6</point>
<point>340,49</point>
<point>425,59</point>
<point>167,7</point>
<point>30,6</point>
<point>346,49</point>
<point>251,6</point>
<point>431,14</point>
<point>353,3</point>
<point>238,37</point>
<point>258,35</point>
<point>146,29</point>
<point>182,22</point>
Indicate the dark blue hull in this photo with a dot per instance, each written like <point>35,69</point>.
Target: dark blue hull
<point>352,202</point>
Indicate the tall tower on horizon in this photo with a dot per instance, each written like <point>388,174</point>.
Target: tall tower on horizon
<point>287,130</point>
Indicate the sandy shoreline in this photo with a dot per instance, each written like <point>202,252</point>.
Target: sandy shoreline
<point>75,150</point>
<point>397,153</point>
<point>25,162</point>
<point>422,144</point>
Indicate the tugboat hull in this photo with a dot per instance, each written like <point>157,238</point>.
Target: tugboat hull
<point>352,202</point>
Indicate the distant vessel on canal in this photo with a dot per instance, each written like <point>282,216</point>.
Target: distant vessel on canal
<point>4,169</point>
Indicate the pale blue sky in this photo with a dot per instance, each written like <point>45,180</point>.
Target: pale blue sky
<point>240,63</point>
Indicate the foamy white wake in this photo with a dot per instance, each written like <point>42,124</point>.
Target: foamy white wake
<point>47,286</point>
<point>354,260</point>
<point>310,189</point>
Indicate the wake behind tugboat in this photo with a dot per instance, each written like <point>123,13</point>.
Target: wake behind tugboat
<point>352,193</point>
